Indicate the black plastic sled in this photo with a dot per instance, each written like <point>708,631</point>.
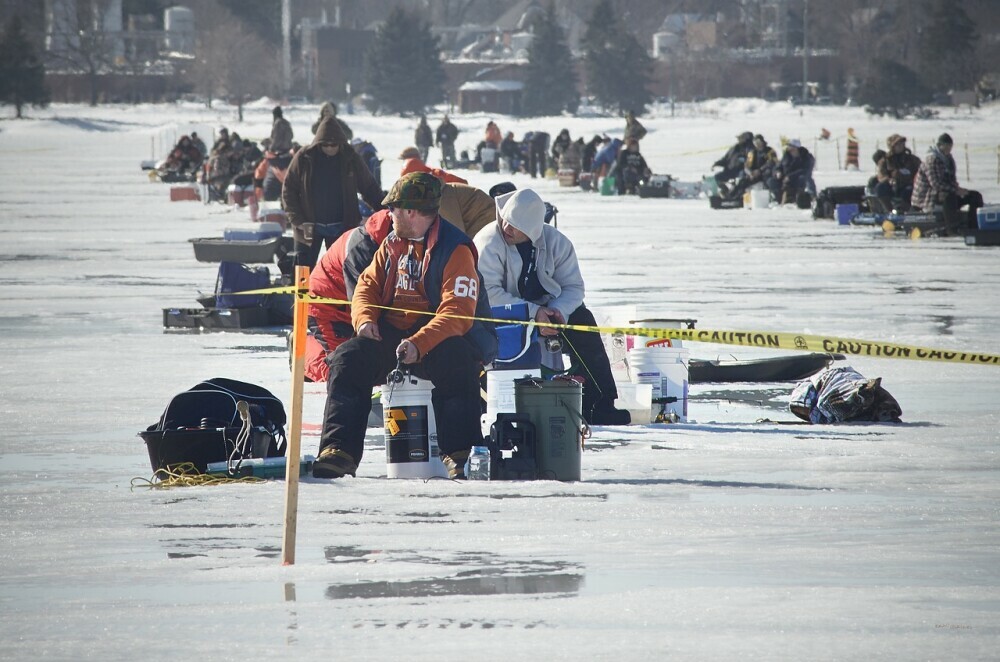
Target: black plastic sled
<point>718,202</point>
<point>773,369</point>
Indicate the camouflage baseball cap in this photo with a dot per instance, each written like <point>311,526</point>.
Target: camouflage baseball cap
<point>416,190</point>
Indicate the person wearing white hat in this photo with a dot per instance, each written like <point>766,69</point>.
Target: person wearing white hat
<point>794,174</point>
<point>525,261</point>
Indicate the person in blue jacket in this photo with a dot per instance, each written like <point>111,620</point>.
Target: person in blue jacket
<point>605,158</point>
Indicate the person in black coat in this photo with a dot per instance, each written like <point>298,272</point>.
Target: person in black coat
<point>423,138</point>
<point>510,150</point>
<point>589,152</point>
<point>794,174</point>
<point>732,161</point>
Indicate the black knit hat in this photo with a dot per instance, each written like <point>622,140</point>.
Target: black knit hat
<point>945,139</point>
<point>501,188</point>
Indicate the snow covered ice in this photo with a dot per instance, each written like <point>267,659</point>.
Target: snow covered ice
<point>722,538</point>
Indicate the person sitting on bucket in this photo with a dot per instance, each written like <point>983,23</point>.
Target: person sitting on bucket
<point>793,174</point>
<point>733,161</point>
<point>424,265</point>
<point>524,260</point>
<point>895,173</point>
<point>630,168</point>
<point>937,183</point>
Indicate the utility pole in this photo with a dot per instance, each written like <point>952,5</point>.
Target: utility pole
<point>805,51</point>
<point>286,46</point>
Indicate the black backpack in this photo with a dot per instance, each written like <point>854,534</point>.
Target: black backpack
<point>205,424</point>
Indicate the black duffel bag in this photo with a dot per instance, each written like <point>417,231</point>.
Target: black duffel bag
<point>215,421</point>
<point>830,197</point>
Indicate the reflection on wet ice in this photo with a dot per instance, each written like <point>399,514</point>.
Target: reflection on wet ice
<point>482,585</point>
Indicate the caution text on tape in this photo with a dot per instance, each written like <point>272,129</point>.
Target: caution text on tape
<point>762,339</point>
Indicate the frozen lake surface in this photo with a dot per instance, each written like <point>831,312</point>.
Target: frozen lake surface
<point>722,538</point>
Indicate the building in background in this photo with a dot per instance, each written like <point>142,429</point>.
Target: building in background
<point>491,96</point>
<point>332,59</point>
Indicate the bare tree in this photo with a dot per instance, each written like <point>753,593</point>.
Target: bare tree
<point>79,41</point>
<point>863,32</point>
<point>231,61</point>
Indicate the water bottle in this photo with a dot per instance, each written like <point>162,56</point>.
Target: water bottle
<point>478,467</point>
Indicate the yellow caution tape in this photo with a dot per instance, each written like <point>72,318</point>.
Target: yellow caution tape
<point>709,150</point>
<point>764,339</point>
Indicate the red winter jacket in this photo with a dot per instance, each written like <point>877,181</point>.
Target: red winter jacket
<point>334,277</point>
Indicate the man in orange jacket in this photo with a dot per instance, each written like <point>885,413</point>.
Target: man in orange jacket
<point>425,265</point>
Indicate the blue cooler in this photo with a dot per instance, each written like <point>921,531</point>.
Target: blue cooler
<point>988,217</point>
<point>845,212</point>
<point>518,343</point>
<point>259,232</point>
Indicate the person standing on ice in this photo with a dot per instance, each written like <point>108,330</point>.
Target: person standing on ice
<point>523,260</point>
<point>281,132</point>
<point>425,265</point>
<point>320,193</point>
<point>423,138</point>
<point>447,133</point>
<point>633,129</point>
<point>329,109</point>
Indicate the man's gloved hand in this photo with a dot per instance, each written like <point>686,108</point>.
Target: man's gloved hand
<point>407,352</point>
<point>548,315</point>
<point>303,233</point>
<point>369,330</point>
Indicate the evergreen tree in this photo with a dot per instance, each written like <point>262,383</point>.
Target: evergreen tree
<point>892,88</point>
<point>948,48</point>
<point>403,71</point>
<point>550,83</point>
<point>22,75</point>
<point>618,67</point>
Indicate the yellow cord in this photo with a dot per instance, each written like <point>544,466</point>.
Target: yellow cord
<point>186,475</point>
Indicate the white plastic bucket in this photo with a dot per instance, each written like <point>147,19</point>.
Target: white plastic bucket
<point>643,341</point>
<point>500,393</point>
<point>666,369</point>
<point>411,449</point>
<point>760,198</point>
<point>637,400</point>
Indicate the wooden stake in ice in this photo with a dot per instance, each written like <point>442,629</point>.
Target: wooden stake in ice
<point>295,429</point>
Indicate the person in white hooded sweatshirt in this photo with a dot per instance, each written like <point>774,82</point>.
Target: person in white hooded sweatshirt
<point>523,260</point>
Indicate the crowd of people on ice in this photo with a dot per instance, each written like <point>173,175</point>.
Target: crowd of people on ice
<point>236,160</point>
<point>537,154</point>
<point>902,181</point>
<point>422,264</point>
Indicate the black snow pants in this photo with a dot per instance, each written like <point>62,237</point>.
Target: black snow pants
<point>362,363</point>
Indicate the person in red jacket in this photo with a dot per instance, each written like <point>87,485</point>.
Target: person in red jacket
<point>413,163</point>
<point>335,277</point>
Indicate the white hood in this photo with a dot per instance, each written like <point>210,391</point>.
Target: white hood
<point>523,209</point>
